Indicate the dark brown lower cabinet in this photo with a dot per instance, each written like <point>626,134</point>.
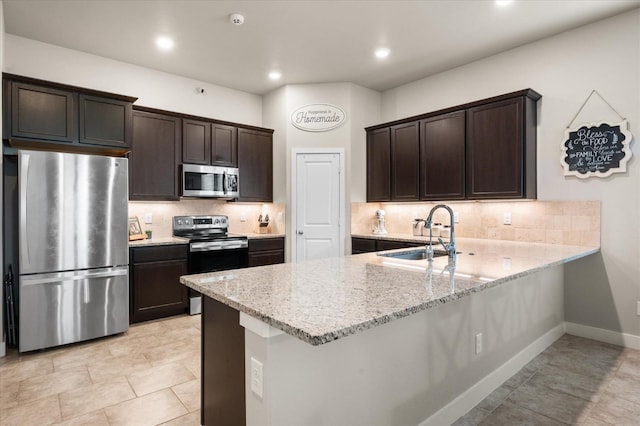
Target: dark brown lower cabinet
<point>368,245</point>
<point>222,393</point>
<point>266,251</point>
<point>154,282</point>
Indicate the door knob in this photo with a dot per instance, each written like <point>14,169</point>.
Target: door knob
<point>300,232</point>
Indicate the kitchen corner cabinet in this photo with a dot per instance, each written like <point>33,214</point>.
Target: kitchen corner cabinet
<point>393,163</point>
<point>209,143</point>
<point>255,164</point>
<point>266,251</point>
<point>379,165</point>
<point>154,283</point>
<point>45,115</point>
<point>442,157</point>
<point>501,150</point>
<point>154,159</point>
<point>480,150</point>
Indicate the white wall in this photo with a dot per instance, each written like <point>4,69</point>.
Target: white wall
<point>362,109</point>
<point>405,371</point>
<point>601,291</point>
<point>154,89</point>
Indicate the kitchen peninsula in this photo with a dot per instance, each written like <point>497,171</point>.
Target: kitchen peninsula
<point>376,340</point>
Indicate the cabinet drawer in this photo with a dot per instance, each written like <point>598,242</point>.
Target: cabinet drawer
<point>362,245</point>
<point>266,244</point>
<point>158,253</point>
<point>390,245</point>
<point>268,257</point>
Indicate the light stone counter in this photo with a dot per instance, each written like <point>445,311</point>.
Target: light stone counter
<point>323,300</point>
<point>166,241</point>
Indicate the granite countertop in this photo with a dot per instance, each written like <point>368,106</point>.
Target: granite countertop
<point>255,236</point>
<point>399,237</point>
<point>322,300</point>
<point>165,241</point>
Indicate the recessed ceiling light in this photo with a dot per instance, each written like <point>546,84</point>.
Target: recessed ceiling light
<point>275,75</point>
<point>164,43</point>
<point>503,2</point>
<point>382,52</point>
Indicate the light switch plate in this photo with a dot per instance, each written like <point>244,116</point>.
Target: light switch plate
<point>148,218</point>
<point>507,218</point>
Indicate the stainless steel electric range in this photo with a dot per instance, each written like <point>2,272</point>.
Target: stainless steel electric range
<point>211,248</point>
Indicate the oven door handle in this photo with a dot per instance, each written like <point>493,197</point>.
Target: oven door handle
<point>217,245</point>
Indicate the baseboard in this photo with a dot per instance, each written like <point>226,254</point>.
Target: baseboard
<point>602,335</point>
<point>3,349</point>
<point>472,396</point>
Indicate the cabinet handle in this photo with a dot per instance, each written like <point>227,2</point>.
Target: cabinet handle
<point>300,232</point>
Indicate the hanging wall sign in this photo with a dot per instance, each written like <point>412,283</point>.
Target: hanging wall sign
<point>596,149</point>
<point>318,117</point>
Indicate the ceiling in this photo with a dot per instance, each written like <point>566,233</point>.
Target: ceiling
<point>308,41</point>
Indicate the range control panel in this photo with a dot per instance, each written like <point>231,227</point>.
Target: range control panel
<point>185,223</point>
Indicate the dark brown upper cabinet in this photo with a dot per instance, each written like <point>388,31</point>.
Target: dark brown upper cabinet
<point>405,162</point>
<point>196,142</point>
<point>501,149</point>
<point>154,159</point>
<point>255,164</point>
<point>209,143</point>
<point>442,157</point>
<point>224,145</point>
<point>45,115</point>
<point>379,165</point>
<point>480,150</point>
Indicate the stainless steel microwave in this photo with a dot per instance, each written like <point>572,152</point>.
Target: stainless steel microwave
<point>209,181</point>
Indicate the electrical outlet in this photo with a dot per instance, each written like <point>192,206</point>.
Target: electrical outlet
<point>456,217</point>
<point>507,218</point>
<point>243,217</point>
<point>148,218</point>
<point>256,377</point>
<point>506,263</point>
<point>638,309</point>
<point>415,215</point>
<point>478,343</point>
<point>280,216</point>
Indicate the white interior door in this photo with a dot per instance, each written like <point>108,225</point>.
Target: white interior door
<point>317,205</point>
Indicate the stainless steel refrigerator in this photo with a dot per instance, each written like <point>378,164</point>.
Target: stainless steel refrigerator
<point>73,248</point>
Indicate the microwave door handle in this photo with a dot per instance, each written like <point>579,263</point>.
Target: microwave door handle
<point>224,181</point>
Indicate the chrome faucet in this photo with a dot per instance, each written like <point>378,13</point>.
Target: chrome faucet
<point>451,247</point>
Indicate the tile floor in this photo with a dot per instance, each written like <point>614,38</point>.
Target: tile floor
<point>151,376</point>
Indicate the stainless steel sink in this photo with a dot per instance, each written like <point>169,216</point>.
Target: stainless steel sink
<point>418,254</point>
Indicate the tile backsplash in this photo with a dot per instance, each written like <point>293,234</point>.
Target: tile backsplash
<point>552,222</point>
<point>163,211</point>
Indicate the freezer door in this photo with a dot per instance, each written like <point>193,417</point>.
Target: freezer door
<point>61,308</point>
<point>72,211</point>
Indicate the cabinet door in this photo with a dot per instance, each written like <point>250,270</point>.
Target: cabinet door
<point>196,142</point>
<point>379,165</point>
<point>267,251</point>
<point>43,113</point>
<point>255,164</point>
<point>405,162</point>
<point>495,150</point>
<point>362,245</point>
<point>105,121</point>
<point>156,290</point>
<point>224,145</point>
<point>442,163</point>
<point>154,157</point>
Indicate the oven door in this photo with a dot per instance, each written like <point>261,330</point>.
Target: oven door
<point>213,260</point>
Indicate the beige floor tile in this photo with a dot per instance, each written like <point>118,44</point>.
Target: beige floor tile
<point>149,380</point>
<point>81,356</point>
<point>616,411</point>
<point>21,370</point>
<point>145,329</point>
<point>8,394</point>
<point>133,345</point>
<point>590,421</point>
<point>193,364</point>
<point>39,412</point>
<point>152,409</point>
<point>190,334</point>
<point>110,368</point>
<point>172,352</point>
<point>625,386</point>
<point>97,418</point>
<point>509,414</point>
<point>580,385</point>
<point>191,419</point>
<point>51,384</point>
<point>631,364</point>
<point>189,394</point>
<point>94,397</point>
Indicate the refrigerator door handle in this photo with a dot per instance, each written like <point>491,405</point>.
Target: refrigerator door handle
<point>38,279</point>
<point>24,176</point>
